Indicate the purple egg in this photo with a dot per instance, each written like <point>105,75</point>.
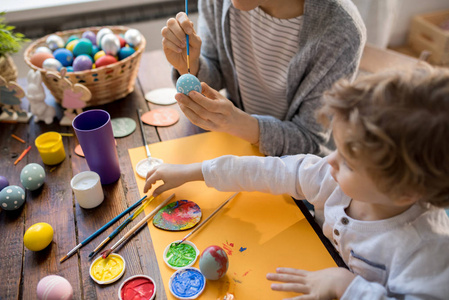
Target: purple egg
<point>82,62</point>
<point>90,36</point>
<point>3,182</point>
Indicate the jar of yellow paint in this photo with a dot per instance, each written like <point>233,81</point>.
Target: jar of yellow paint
<point>107,270</point>
<point>50,147</point>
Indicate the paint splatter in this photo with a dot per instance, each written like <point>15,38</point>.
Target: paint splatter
<point>228,247</point>
<point>242,249</point>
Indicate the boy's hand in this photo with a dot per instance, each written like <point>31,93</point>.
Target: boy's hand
<point>324,284</point>
<point>174,44</point>
<point>211,110</point>
<point>172,176</point>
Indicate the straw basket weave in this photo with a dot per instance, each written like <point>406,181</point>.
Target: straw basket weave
<point>107,84</point>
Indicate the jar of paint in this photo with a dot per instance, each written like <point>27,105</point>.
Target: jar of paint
<point>107,270</point>
<point>87,189</point>
<point>50,148</point>
<point>137,287</point>
<point>182,255</point>
<point>187,283</point>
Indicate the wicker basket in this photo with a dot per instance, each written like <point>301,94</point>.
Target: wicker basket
<point>107,84</point>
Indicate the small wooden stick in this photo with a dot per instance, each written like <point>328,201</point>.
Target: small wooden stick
<point>22,155</point>
<point>202,223</point>
<point>137,226</point>
<point>17,138</point>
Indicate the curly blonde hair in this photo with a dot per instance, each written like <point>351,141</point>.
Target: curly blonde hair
<point>398,125</point>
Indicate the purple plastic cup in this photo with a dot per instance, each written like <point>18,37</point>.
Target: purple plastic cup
<point>94,132</point>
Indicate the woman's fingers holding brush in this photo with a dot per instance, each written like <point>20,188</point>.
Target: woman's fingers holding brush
<point>172,176</point>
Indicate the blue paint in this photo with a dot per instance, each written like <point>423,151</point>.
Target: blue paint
<point>187,283</point>
<point>242,249</point>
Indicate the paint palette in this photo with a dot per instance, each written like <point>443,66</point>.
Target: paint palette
<point>137,287</point>
<point>107,270</point>
<point>187,283</point>
<point>177,216</point>
<point>180,256</point>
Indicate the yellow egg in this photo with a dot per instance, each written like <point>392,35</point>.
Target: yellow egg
<point>99,54</point>
<point>71,45</point>
<point>38,236</point>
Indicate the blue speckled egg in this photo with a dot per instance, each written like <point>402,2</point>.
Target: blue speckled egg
<point>64,56</point>
<point>12,197</point>
<point>32,176</point>
<point>125,52</point>
<point>187,83</point>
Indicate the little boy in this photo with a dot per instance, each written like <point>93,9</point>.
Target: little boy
<point>379,197</point>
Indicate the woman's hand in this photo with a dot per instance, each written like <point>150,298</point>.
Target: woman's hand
<point>172,176</point>
<point>212,111</point>
<point>323,284</point>
<point>174,44</point>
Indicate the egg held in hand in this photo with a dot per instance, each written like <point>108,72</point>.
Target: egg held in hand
<point>187,83</point>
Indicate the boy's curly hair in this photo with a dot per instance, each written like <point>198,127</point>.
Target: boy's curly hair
<point>398,128</point>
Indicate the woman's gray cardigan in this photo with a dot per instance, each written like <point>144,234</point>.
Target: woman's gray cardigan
<point>330,47</point>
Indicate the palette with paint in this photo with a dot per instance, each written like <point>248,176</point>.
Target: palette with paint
<point>187,283</point>
<point>107,270</point>
<point>182,255</point>
<point>137,287</point>
<point>177,216</point>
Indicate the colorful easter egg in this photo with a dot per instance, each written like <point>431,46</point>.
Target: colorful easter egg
<point>84,46</point>
<point>187,83</point>
<point>32,176</point>
<point>54,42</point>
<point>99,54</point>
<point>133,37</point>
<point>100,34</point>
<point>71,45</point>
<point>43,49</point>
<point>90,36</point>
<point>38,58</point>
<point>105,60</point>
<point>3,182</point>
<point>95,50</point>
<point>110,44</point>
<point>69,69</point>
<point>187,283</point>
<point>122,40</point>
<point>82,62</point>
<point>71,38</point>
<point>52,64</point>
<point>12,197</point>
<point>64,56</point>
<point>214,262</point>
<point>182,255</point>
<point>54,287</point>
<point>125,52</point>
<point>38,236</point>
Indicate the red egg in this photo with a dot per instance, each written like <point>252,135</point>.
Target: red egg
<point>122,41</point>
<point>105,60</point>
<point>37,59</point>
<point>214,262</point>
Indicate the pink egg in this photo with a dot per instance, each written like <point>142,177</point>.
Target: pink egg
<point>37,59</point>
<point>214,262</point>
<point>54,287</point>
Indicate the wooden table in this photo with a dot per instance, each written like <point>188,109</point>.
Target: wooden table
<point>55,204</point>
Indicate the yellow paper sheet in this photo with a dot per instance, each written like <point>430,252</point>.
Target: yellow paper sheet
<point>259,231</point>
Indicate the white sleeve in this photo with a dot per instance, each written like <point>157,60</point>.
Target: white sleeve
<point>300,176</point>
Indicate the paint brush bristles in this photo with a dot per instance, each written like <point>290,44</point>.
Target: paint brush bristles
<point>137,226</point>
<point>208,218</point>
<point>187,40</point>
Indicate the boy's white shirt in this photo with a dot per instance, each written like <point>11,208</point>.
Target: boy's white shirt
<point>404,257</point>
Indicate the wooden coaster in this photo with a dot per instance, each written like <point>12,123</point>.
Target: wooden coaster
<point>164,96</point>
<point>161,117</point>
<point>177,216</point>
<point>122,127</point>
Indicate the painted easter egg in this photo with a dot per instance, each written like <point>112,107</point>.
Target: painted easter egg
<point>32,176</point>
<point>187,83</point>
<point>110,44</point>
<point>52,64</point>
<point>84,46</point>
<point>125,52</point>
<point>64,56</point>
<point>182,255</point>
<point>71,38</point>
<point>179,215</point>
<point>54,42</point>
<point>187,283</point>
<point>105,60</point>
<point>43,49</point>
<point>137,287</point>
<point>101,33</point>
<point>69,69</point>
<point>133,37</point>
<point>71,45</point>
<point>122,41</point>
<point>38,58</point>
<point>90,36</point>
<point>38,236</point>
<point>99,54</point>
<point>3,182</point>
<point>214,262</point>
<point>12,197</point>
<point>54,287</point>
<point>82,62</point>
<point>95,50</point>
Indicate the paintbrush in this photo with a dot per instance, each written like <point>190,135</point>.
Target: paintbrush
<point>208,218</point>
<point>137,226</point>
<point>99,231</point>
<point>187,40</point>
<point>121,226</point>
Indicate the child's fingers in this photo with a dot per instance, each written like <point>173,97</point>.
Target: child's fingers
<point>170,40</point>
<point>176,29</point>
<point>185,23</point>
